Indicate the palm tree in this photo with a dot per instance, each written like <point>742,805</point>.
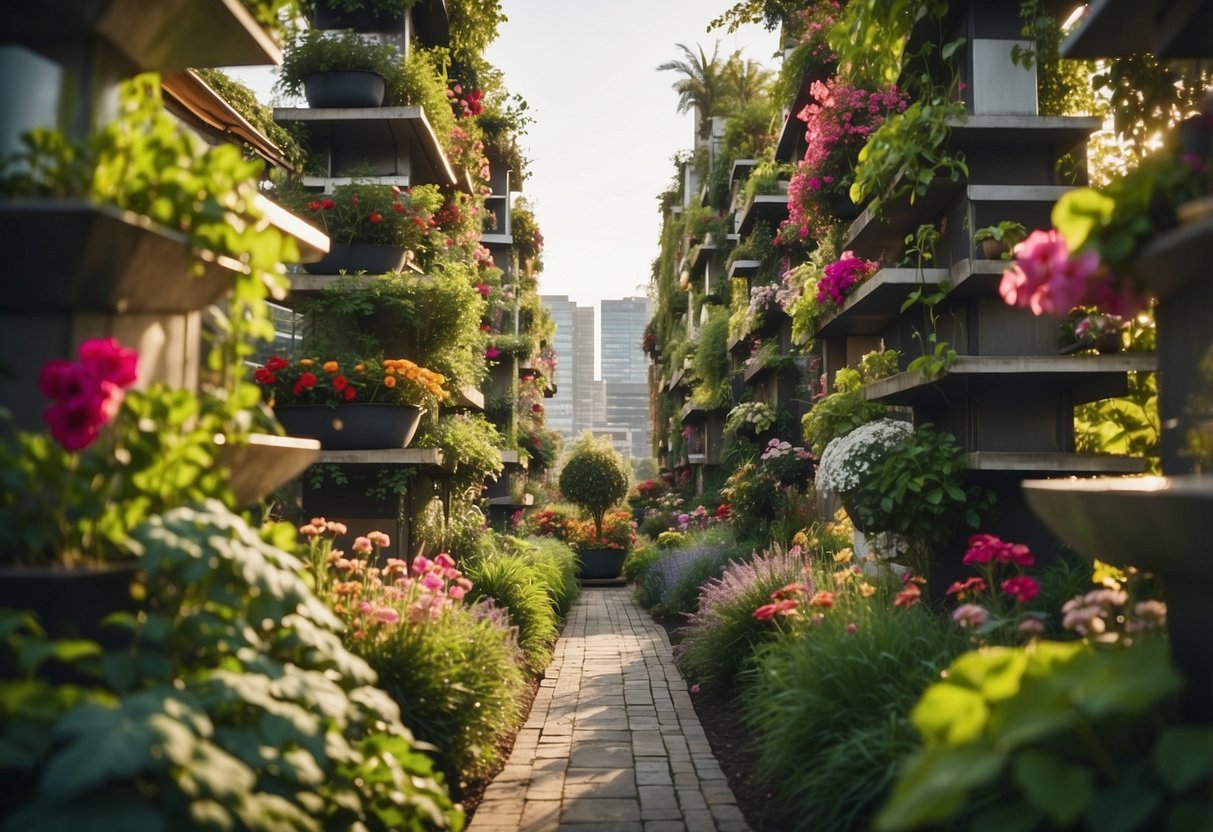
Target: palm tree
<point>744,81</point>
<point>703,86</point>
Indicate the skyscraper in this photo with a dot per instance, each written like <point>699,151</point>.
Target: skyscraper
<point>625,368</point>
<point>570,410</point>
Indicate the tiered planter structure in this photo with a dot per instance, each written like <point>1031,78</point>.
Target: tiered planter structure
<point>81,270</point>
<point>388,145</point>
<point>1009,398</point>
<point>1162,525</point>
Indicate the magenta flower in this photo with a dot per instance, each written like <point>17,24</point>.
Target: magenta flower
<point>1046,278</point>
<point>1023,587</point>
<point>86,394</point>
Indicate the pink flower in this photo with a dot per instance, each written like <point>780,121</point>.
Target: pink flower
<point>444,560</point>
<point>1046,278</point>
<point>765,612</point>
<point>421,564</point>
<point>386,615</point>
<point>822,599</point>
<point>108,360</point>
<point>852,629</point>
<point>971,585</point>
<point>362,546</point>
<point>457,592</point>
<point>908,597</point>
<point>432,582</point>
<point>379,539</point>
<point>982,548</point>
<point>694,689</point>
<point>970,616</point>
<point>1023,587</point>
<point>1031,626</point>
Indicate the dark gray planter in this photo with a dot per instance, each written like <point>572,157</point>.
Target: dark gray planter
<point>344,88</point>
<point>352,258</point>
<point>601,564</point>
<point>361,20</point>
<point>71,601</point>
<point>352,427</point>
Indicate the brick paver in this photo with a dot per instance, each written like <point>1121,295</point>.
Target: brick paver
<point>612,743</point>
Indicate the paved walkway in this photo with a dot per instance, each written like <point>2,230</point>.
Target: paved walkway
<point>612,743</point>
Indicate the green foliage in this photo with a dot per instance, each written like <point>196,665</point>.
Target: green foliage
<point>919,491</point>
<point>158,453</point>
<point>474,25</point>
<point>380,8</point>
<point>1060,734</point>
<point>514,585</point>
<point>421,83</point>
<point>458,682</point>
<point>144,161</point>
<point>594,478</point>
<point>1148,96</point>
<point>320,51</point>
<point>433,319</point>
<point>828,708</point>
<point>234,705</point>
<point>1063,87</point>
<point>244,101</point>
<point>1127,424</point>
<point>638,562</point>
<point>1007,231</point>
<point>470,445</point>
<point>556,564</point>
<point>711,361</point>
<point>840,412</point>
<point>870,39</point>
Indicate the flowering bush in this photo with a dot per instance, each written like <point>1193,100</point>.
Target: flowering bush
<point>559,522</point>
<point>840,277</point>
<point>791,466</point>
<point>332,382</point>
<point>984,609</point>
<point>647,493</point>
<point>465,104</point>
<point>837,124</point>
<point>847,459</point>
<point>366,212</point>
<point>757,415</point>
<point>114,458</point>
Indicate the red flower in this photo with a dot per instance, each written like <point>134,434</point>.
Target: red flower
<point>491,353</point>
<point>765,612</point>
<point>722,511</point>
<point>908,597</point>
<point>536,408</point>
<point>350,393</point>
<point>263,376</point>
<point>353,200</point>
<point>822,599</point>
<point>276,363</point>
<point>971,585</point>
<point>1024,588</point>
<point>375,218</point>
<point>314,205</point>
<point>340,383</point>
<point>297,389</point>
<point>307,380</point>
<point>328,205</point>
<point>397,207</point>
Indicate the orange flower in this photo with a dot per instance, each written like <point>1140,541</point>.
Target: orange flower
<point>389,381</point>
<point>359,367</point>
<point>331,367</point>
<point>306,362</point>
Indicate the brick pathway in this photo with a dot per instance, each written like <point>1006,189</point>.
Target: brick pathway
<point>612,743</point>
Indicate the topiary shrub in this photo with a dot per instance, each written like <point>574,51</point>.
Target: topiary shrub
<point>594,478</point>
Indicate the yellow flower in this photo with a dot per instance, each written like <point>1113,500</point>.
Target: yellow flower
<point>306,362</point>
<point>867,590</point>
<point>389,381</point>
<point>359,367</point>
<point>331,366</point>
<point>800,539</point>
<point>843,555</point>
<point>842,576</point>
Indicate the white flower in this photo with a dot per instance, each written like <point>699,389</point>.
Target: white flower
<point>848,458</point>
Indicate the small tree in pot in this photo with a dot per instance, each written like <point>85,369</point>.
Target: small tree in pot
<point>594,478</point>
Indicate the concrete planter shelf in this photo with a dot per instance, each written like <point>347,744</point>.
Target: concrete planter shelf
<point>877,301</point>
<point>743,268</point>
<point>264,463</point>
<point>773,208</point>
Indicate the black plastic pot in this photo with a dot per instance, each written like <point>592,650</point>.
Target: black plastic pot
<point>352,427</point>
<point>344,88</point>
<point>352,258</point>
<point>600,564</point>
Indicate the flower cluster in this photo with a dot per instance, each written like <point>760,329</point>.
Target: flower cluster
<point>1049,279</point>
<point>837,124</point>
<point>1002,565</point>
<point>701,518</point>
<point>371,591</point>
<point>465,104</point>
<point>366,212</point>
<point>1101,613</point>
<point>86,394</point>
<point>763,299</point>
<point>618,531</point>
<point>647,493</point>
<point>848,458</point>
<point>842,276</point>
<point>758,414</point>
<point>332,382</point>
<point>812,27</point>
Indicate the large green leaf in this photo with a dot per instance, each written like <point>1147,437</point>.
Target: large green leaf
<point>950,715</point>
<point>1183,757</point>
<point>1057,790</point>
<point>935,783</point>
<point>1079,213</point>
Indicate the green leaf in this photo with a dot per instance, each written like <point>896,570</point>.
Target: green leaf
<point>32,653</point>
<point>1079,213</point>
<point>1123,809</point>
<point>995,672</point>
<point>950,715</point>
<point>935,783</point>
<point>1183,757</point>
<point>1059,791</point>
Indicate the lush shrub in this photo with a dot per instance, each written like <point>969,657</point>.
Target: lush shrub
<point>515,586</point>
<point>234,705</point>
<point>679,573</point>
<point>594,478</point>
<point>723,632</point>
<point>556,563</point>
<point>454,668</point>
<point>637,564</point>
<point>830,702</point>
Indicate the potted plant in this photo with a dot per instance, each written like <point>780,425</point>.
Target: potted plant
<point>69,499</point>
<point>372,226</point>
<point>595,479</point>
<point>997,241</point>
<point>338,69</point>
<point>350,404</point>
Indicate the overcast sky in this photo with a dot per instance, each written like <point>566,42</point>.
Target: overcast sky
<point>605,126</point>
